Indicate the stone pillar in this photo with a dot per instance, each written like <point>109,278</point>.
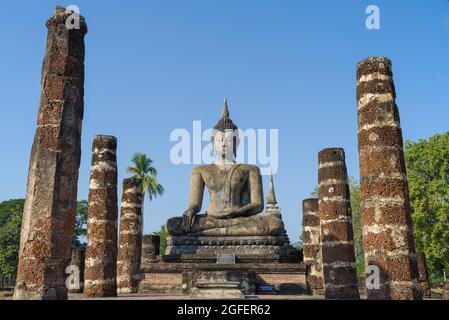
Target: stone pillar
<point>337,237</point>
<point>423,274</point>
<point>78,259</point>
<point>445,294</point>
<point>50,206</point>
<point>312,245</point>
<point>150,248</point>
<point>385,208</point>
<point>130,249</point>
<point>101,254</point>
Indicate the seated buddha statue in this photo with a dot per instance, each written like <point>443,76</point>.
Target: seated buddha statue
<point>235,212</point>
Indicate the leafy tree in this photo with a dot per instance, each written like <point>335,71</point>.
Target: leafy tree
<point>427,164</point>
<point>80,233</point>
<point>143,170</point>
<point>10,225</point>
<point>163,235</point>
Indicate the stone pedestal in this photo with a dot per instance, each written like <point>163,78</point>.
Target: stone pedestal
<point>78,260</point>
<point>174,278</point>
<point>312,246</point>
<point>385,208</point>
<point>150,248</point>
<point>101,252</point>
<point>130,249</point>
<point>337,238</point>
<point>219,284</point>
<point>50,206</point>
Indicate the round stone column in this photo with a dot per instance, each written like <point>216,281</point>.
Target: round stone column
<point>129,252</point>
<point>150,248</point>
<point>337,237</point>
<point>312,245</point>
<point>385,208</point>
<point>101,253</point>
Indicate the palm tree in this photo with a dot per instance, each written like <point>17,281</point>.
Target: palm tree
<point>143,170</point>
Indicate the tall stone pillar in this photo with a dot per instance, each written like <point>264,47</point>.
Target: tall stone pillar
<point>423,274</point>
<point>101,253</point>
<point>130,248</point>
<point>385,208</point>
<point>150,248</point>
<point>78,260</point>
<point>50,206</point>
<point>312,245</point>
<point>337,237</point>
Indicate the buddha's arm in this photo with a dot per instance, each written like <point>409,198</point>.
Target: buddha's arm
<point>196,191</point>
<point>255,195</point>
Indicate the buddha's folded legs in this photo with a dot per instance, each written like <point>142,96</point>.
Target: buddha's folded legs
<point>257,225</point>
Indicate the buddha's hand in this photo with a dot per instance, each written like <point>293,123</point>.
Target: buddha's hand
<point>188,219</point>
<point>231,213</point>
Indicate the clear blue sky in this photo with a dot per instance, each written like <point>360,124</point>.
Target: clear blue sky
<point>153,66</point>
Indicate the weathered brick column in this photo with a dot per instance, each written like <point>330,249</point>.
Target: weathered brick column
<point>50,206</point>
<point>78,260</point>
<point>337,237</point>
<point>423,274</point>
<point>101,254</point>
<point>130,248</point>
<point>312,245</point>
<point>150,248</point>
<point>385,207</point>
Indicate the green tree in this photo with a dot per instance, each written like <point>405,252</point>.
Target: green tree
<point>427,163</point>
<point>163,235</point>
<point>354,188</point>
<point>10,225</point>
<point>143,170</point>
<point>80,233</point>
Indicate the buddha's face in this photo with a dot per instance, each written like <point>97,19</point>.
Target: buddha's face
<point>223,143</point>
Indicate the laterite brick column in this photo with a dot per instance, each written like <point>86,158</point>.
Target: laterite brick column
<point>130,248</point>
<point>423,274</point>
<point>50,206</point>
<point>385,208</point>
<point>150,248</point>
<point>101,254</point>
<point>78,260</point>
<point>337,237</point>
<point>312,245</point>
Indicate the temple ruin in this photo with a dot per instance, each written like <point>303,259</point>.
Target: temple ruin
<point>235,245</point>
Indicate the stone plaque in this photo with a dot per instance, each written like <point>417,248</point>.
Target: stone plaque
<point>225,258</point>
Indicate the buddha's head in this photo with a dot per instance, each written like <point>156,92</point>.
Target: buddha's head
<point>225,138</point>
